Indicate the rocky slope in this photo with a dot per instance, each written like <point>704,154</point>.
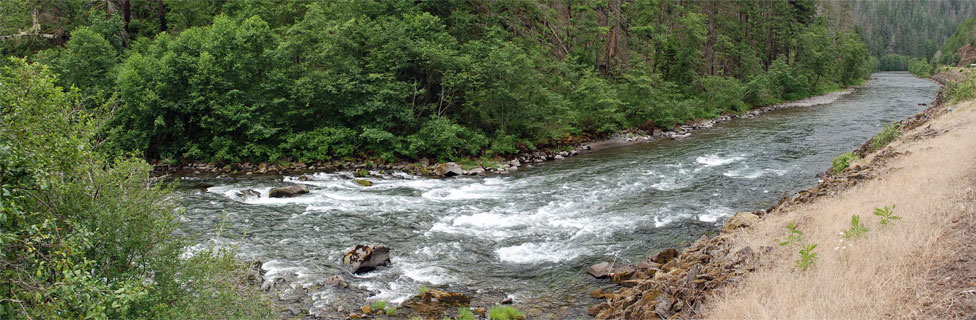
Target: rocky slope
<point>679,286</point>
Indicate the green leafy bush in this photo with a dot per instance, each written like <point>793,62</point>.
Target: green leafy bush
<point>887,215</point>
<point>920,68</point>
<point>857,228</point>
<point>722,94</point>
<point>85,236</point>
<point>887,135</point>
<point>505,313</point>
<point>793,236</point>
<point>893,62</point>
<point>321,144</point>
<point>843,161</point>
<point>807,257</point>
<point>445,140</point>
<point>464,314</point>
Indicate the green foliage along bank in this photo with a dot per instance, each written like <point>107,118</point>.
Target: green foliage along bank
<point>86,236</point>
<point>276,80</point>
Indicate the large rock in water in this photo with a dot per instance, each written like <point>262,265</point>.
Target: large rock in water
<point>289,191</point>
<point>600,270</point>
<point>449,169</point>
<point>365,258</point>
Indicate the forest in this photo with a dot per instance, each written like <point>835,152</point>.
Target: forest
<point>234,81</point>
<point>92,91</point>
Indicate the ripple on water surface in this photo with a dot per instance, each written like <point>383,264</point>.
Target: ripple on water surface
<point>525,232</point>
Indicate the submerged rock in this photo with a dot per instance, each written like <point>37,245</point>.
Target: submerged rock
<point>247,194</point>
<point>289,191</point>
<point>365,258</point>
<point>336,281</point>
<point>600,270</point>
<point>363,182</point>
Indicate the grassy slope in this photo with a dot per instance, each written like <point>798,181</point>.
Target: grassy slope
<point>922,267</point>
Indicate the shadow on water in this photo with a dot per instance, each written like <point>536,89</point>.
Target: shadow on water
<point>533,234</point>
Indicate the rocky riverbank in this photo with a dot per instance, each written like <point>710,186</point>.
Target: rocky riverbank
<point>426,167</point>
<point>675,284</point>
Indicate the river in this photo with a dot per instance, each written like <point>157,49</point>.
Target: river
<point>533,234</point>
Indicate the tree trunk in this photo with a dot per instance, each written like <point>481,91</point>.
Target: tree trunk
<point>161,12</point>
<point>126,15</point>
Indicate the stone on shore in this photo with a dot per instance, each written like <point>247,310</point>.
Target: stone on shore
<point>365,258</point>
<point>449,169</point>
<point>741,220</point>
<point>289,191</point>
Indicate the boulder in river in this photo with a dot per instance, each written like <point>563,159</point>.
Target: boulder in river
<point>247,194</point>
<point>600,270</point>
<point>449,169</point>
<point>289,191</point>
<point>365,258</point>
<point>361,173</point>
<point>363,182</point>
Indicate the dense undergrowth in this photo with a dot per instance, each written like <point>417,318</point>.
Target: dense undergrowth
<point>84,236</point>
<point>270,80</point>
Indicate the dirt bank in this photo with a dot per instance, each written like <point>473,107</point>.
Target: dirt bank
<point>920,267</point>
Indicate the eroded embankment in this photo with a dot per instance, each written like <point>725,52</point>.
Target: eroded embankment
<point>905,270</point>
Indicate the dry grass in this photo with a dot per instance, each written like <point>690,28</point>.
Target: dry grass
<point>921,267</point>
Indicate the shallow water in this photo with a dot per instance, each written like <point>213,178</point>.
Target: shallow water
<point>534,233</point>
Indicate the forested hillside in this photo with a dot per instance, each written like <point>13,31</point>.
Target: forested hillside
<point>909,28</point>
<point>960,49</point>
<point>279,80</point>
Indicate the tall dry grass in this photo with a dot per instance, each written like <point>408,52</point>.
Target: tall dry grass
<point>885,274</point>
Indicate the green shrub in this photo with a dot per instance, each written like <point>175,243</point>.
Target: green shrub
<point>445,140</point>
<point>962,90</point>
<point>464,314</point>
<point>807,257</point>
<point>843,161</point>
<point>379,305</point>
<point>722,94</point>
<point>887,135</point>
<point>893,62</point>
<point>85,236</point>
<point>887,215</point>
<point>759,91</point>
<point>857,228</point>
<point>505,313</point>
<point>920,68</point>
<point>321,144</point>
<point>793,236</point>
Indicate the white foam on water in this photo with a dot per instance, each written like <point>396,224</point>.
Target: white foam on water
<point>486,224</point>
<point>528,253</point>
<point>714,214</point>
<point>712,160</point>
<point>488,189</point>
<point>748,173</point>
<point>425,273</point>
